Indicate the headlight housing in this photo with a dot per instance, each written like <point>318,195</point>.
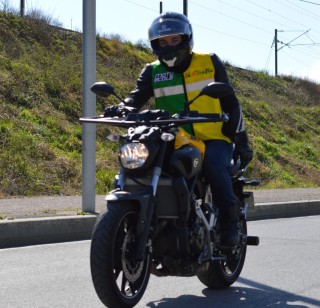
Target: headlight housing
<point>133,155</point>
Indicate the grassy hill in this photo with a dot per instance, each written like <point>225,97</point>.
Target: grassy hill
<point>40,104</point>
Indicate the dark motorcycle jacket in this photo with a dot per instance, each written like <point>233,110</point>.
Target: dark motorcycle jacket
<point>147,87</point>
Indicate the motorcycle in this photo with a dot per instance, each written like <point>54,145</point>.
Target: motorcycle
<point>160,218</point>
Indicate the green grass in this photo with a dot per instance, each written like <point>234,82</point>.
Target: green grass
<point>41,102</point>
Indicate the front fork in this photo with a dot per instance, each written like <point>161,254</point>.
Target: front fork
<point>146,201</point>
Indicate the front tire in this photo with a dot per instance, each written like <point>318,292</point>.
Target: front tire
<point>222,274</point>
<point>119,280</point>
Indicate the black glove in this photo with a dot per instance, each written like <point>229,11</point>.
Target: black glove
<point>111,111</point>
<point>243,150</point>
<point>246,155</point>
<point>155,114</point>
<point>118,111</point>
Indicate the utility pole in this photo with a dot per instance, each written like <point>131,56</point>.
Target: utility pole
<point>276,51</point>
<point>276,41</point>
<point>185,7</point>
<point>22,6</point>
<point>88,106</point>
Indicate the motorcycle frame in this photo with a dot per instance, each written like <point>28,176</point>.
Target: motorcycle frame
<point>146,196</point>
<point>145,200</point>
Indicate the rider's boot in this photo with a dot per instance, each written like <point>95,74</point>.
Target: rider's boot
<point>230,226</point>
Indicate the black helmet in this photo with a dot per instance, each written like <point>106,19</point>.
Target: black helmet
<point>170,24</point>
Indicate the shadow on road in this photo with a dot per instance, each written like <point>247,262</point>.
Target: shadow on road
<point>258,295</point>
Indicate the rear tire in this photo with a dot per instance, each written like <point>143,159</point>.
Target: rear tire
<point>119,280</point>
<point>222,274</point>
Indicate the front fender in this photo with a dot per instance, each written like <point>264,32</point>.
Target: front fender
<point>142,197</point>
<point>119,195</point>
<point>145,200</point>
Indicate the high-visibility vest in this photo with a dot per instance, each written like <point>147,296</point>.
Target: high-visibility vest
<point>171,90</point>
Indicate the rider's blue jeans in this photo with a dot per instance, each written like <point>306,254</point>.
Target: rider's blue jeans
<point>217,158</point>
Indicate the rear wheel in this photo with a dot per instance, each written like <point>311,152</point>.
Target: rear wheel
<point>119,279</point>
<point>222,274</point>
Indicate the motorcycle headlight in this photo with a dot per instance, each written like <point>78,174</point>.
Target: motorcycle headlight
<point>133,155</point>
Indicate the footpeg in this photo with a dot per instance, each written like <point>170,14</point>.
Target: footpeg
<point>253,240</point>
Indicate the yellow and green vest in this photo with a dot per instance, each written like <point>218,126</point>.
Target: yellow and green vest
<point>171,90</point>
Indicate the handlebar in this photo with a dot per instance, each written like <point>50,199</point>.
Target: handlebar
<point>142,118</point>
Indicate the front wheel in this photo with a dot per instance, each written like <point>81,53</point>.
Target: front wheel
<point>222,274</point>
<point>119,280</point>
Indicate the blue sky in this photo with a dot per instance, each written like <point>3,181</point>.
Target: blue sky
<point>239,31</point>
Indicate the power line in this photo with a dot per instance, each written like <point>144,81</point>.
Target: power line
<point>228,34</point>
<point>284,17</point>
<point>145,7</point>
<point>276,41</point>
<point>254,14</point>
<point>232,17</point>
<point>268,59</point>
<point>311,14</point>
<point>288,41</point>
<point>288,44</point>
<point>272,16</point>
<point>309,2</point>
<point>297,60</point>
<point>307,52</point>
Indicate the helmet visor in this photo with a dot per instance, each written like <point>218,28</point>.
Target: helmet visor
<point>166,27</point>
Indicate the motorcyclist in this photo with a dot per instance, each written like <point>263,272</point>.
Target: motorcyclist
<point>179,74</point>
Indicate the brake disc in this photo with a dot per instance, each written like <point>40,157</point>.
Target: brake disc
<point>131,268</point>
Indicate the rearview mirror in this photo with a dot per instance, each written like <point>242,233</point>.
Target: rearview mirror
<point>103,89</point>
<point>217,90</point>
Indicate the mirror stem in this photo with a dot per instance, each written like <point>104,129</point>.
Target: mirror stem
<point>118,97</point>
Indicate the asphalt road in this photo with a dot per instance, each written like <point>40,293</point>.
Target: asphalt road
<point>282,272</point>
